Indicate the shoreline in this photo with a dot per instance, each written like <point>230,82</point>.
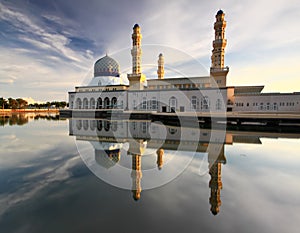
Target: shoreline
<point>17,111</point>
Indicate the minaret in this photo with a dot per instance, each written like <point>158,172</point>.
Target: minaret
<point>160,153</point>
<point>160,70</point>
<point>217,69</point>
<point>215,183</point>
<point>136,175</point>
<point>136,79</point>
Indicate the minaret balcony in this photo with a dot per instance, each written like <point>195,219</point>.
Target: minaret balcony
<point>212,69</point>
<point>219,41</point>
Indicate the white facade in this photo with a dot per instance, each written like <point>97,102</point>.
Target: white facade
<point>283,102</point>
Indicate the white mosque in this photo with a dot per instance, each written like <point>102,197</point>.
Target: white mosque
<point>210,93</point>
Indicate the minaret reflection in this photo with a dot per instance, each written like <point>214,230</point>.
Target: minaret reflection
<point>215,161</point>
<point>136,150</point>
<point>160,153</point>
<point>136,175</point>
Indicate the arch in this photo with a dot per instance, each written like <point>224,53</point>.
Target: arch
<point>173,104</point>
<point>114,102</point>
<point>106,103</point>
<point>78,103</point>
<point>99,103</point>
<point>85,103</point>
<point>92,103</point>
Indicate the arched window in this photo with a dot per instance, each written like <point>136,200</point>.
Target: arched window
<point>114,102</point>
<point>92,103</point>
<point>194,102</point>
<point>99,103</point>
<point>173,104</point>
<point>205,103</point>
<point>85,103</point>
<point>106,103</point>
<point>78,103</point>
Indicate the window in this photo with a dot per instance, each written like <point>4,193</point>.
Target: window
<point>144,103</point>
<point>92,103</point>
<point>92,125</point>
<point>114,102</point>
<point>106,103</point>
<point>218,104</point>
<point>194,102</point>
<point>154,103</point>
<point>205,103</point>
<point>79,124</point>
<point>78,104</point>
<point>173,104</point>
<point>99,125</point>
<point>99,103</point>
<point>85,103</point>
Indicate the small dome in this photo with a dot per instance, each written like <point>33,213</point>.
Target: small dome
<point>106,66</point>
<point>220,12</point>
<point>136,26</point>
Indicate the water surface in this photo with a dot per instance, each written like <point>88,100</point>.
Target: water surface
<point>254,186</point>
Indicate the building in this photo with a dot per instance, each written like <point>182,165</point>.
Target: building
<point>184,94</point>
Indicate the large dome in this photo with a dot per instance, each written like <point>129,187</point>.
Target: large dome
<point>106,66</point>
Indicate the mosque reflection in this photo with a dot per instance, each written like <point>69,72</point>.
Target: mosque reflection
<point>108,137</point>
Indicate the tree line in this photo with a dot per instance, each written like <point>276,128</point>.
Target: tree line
<point>20,103</point>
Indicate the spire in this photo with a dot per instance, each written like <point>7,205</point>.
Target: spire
<point>218,70</point>
<point>160,69</point>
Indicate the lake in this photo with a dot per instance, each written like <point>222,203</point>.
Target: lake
<point>87,175</point>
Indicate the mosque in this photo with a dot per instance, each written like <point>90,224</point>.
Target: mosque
<point>184,94</point>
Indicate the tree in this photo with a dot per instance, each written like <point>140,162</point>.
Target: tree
<point>12,103</point>
<point>21,103</point>
<point>3,103</point>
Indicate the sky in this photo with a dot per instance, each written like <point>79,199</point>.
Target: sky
<point>49,47</point>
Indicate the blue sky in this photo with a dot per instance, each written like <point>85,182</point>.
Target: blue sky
<point>48,47</point>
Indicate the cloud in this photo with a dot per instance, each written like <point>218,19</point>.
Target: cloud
<point>66,38</point>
